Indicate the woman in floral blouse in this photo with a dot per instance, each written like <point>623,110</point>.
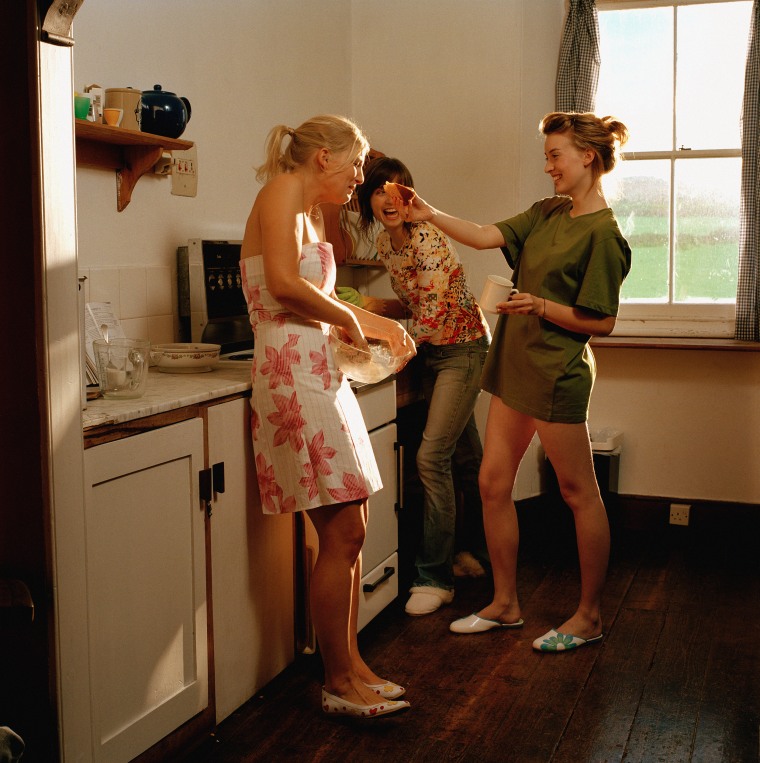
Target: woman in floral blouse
<point>452,339</point>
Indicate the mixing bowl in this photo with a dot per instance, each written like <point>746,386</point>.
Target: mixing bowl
<point>185,358</point>
<point>361,365</point>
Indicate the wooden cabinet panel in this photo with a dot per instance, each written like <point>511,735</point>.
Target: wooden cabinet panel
<point>251,568</point>
<point>382,526</point>
<point>146,592</point>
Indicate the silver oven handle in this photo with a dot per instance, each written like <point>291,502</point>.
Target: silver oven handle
<point>399,448</point>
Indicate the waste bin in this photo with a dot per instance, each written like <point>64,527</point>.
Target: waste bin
<point>606,446</point>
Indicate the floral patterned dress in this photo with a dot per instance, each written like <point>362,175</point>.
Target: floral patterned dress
<point>309,438</point>
<point>428,278</point>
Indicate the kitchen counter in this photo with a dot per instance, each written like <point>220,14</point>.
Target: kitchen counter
<point>166,392</point>
<point>169,398</point>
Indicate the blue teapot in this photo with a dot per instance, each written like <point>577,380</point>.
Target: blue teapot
<point>163,113</point>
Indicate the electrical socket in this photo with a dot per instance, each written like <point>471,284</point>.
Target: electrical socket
<point>679,513</point>
<point>184,172</point>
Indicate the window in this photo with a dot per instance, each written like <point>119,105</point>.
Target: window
<point>673,72</point>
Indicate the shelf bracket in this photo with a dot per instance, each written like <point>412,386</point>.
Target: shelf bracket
<point>137,161</point>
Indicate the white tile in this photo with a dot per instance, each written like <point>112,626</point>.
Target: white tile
<point>135,328</point>
<point>159,288</point>
<point>104,287</point>
<point>161,329</point>
<point>133,292</point>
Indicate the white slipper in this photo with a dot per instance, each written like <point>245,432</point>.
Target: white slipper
<point>337,706</point>
<point>475,624</point>
<point>426,599</point>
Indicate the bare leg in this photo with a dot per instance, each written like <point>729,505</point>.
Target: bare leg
<point>508,434</point>
<point>341,531</point>
<point>363,670</point>
<point>569,449</point>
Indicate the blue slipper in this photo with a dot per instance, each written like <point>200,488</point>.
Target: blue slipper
<point>474,624</point>
<point>554,641</point>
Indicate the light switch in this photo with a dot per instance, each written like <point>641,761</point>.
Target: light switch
<point>185,172</point>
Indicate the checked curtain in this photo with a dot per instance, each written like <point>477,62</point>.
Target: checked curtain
<point>748,291</point>
<point>578,69</point>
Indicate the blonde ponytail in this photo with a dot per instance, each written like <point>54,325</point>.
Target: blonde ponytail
<point>335,133</point>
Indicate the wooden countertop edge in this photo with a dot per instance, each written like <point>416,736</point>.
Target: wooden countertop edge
<point>103,433</point>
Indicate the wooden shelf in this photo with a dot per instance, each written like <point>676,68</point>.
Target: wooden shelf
<point>130,152</point>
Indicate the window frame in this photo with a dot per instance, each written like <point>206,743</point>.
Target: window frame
<point>679,319</point>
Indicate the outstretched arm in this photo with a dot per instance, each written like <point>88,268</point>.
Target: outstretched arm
<point>463,231</point>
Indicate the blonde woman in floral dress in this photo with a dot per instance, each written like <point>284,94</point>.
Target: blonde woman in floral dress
<point>310,442</point>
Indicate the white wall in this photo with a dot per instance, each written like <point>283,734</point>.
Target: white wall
<point>454,88</point>
<point>442,85</point>
<point>690,418</point>
<point>244,67</point>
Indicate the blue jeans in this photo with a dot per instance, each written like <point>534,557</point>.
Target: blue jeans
<point>451,385</point>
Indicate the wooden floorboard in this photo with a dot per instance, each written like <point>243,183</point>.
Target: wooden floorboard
<point>676,678</point>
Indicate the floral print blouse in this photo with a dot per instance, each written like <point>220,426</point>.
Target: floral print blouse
<point>428,278</point>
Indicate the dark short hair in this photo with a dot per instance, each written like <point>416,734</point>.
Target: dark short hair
<point>383,169</point>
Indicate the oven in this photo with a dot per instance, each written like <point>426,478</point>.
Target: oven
<point>211,304</point>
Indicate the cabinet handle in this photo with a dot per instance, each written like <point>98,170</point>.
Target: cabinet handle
<point>204,488</point>
<point>387,573</point>
<point>217,473</point>
<point>399,448</point>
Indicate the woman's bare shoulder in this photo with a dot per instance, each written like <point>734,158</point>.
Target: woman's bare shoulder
<point>281,187</point>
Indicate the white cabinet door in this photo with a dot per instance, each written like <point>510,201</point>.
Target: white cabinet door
<point>382,526</point>
<point>146,588</point>
<point>251,568</point>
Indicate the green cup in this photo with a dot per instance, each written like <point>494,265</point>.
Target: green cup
<point>81,106</point>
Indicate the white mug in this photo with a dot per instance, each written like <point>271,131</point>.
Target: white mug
<point>497,289</point>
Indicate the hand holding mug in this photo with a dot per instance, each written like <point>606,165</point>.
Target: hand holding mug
<point>496,291</point>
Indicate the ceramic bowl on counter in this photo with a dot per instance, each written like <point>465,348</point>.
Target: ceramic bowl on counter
<point>185,357</point>
<point>362,366</point>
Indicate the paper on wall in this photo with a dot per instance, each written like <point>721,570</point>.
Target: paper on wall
<point>99,322</point>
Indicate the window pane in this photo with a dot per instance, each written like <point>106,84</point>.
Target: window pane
<point>712,49</point>
<point>707,229</point>
<point>636,74</point>
<point>639,194</point>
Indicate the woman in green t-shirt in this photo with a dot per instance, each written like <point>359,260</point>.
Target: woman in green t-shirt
<point>569,260</point>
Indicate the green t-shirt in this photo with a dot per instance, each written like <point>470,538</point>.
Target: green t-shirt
<point>535,366</point>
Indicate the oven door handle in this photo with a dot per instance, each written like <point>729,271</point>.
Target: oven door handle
<point>399,448</point>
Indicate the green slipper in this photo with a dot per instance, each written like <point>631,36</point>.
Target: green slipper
<point>554,641</point>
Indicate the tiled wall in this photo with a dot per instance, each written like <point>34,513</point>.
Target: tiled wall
<point>144,299</point>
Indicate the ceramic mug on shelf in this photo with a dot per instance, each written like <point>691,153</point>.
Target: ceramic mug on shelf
<point>128,100</point>
<point>81,106</point>
<point>113,116</point>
